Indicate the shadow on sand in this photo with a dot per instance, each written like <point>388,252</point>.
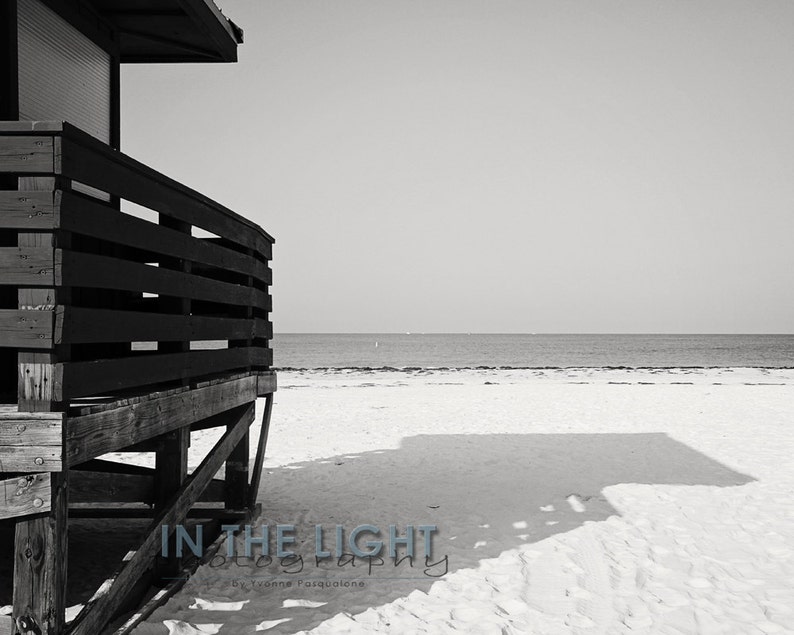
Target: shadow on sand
<point>485,493</point>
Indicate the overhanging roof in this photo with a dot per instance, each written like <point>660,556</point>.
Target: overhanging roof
<point>171,30</point>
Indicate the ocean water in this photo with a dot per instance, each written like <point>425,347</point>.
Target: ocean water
<point>368,350</point>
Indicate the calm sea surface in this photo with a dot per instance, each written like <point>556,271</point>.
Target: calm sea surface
<point>317,350</point>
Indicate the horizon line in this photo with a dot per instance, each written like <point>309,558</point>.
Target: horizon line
<point>517,333</point>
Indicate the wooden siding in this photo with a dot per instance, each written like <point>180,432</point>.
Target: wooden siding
<point>63,75</point>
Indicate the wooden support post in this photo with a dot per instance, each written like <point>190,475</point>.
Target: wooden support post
<point>237,467</point>
<point>40,543</point>
<point>40,566</point>
<point>170,475</point>
<point>40,381</point>
<point>256,477</point>
<point>236,489</point>
<point>171,459</point>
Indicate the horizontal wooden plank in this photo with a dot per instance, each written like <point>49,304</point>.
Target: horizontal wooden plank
<point>90,217</point>
<point>28,210</point>
<point>25,495</point>
<point>76,325</point>
<point>26,430</point>
<point>90,405</point>
<point>26,329</point>
<point>89,161</point>
<point>30,127</point>
<point>91,435</point>
<point>25,458</point>
<point>27,154</point>
<point>102,487</point>
<point>28,266</point>
<point>112,375</point>
<point>11,413</point>
<point>90,270</point>
<point>209,512</point>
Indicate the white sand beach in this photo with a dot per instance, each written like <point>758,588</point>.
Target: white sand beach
<point>566,501</point>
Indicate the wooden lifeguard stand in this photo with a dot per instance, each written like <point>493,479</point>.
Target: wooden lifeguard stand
<point>118,331</point>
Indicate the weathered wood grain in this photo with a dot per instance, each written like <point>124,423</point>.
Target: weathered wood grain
<point>27,459</point>
<point>27,266</point>
<point>40,556</point>
<point>92,435</point>
<point>31,429</point>
<point>26,329</point>
<point>39,378</point>
<point>25,495</point>
<point>40,381</point>
<point>28,210</point>
<point>26,154</point>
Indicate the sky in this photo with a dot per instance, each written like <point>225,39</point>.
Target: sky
<point>502,166</point>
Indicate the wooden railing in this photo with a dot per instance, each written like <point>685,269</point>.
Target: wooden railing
<point>120,330</point>
<point>97,302</point>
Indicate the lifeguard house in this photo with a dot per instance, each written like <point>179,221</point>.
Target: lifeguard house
<point>120,330</point>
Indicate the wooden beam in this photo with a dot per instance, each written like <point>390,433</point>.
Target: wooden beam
<point>92,435</point>
<point>40,377</point>
<point>95,487</point>
<point>200,511</point>
<point>79,269</point>
<point>31,442</point>
<point>267,383</point>
<point>170,474</point>
<point>102,487</point>
<point>25,495</point>
<point>171,456</point>
<point>20,328</point>
<point>27,154</point>
<point>77,325</point>
<point>30,429</point>
<point>31,458</point>
<point>236,494</point>
<point>112,375</point>
<point>28,266</point>
<point>98,612</point>
<point>28,210</point>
